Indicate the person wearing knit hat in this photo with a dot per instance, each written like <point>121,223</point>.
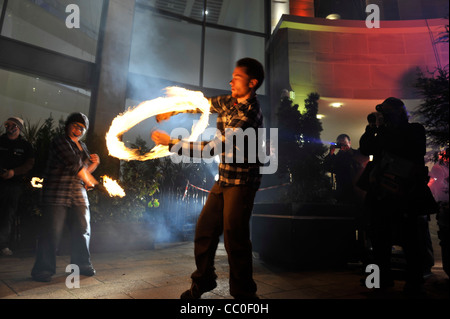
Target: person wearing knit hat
<point>78,118</point>
<point>16,160</point>
<point>67,177</point>
<point>15,121</point>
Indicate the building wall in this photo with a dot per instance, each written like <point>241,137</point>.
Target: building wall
<point>344,61</point>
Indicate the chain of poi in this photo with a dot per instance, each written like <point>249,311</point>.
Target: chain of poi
<point>176,100</point>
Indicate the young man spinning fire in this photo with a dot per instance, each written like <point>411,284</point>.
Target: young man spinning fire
<point>230,202</point>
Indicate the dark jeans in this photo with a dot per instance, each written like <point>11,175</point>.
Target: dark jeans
<point>227,210</point>
<point>444,235</point>
<point>52,226</point>
<point>394,223</point>
<point>10,193</point>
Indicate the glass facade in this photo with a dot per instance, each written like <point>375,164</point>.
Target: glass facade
<point>167,46</point>
<point>246,15</point>
<point>167,39</point>
<point>35,99</point>
<point>222,50</point>
<point>53,24</point>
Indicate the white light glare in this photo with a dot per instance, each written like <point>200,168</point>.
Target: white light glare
<point>336,104</point>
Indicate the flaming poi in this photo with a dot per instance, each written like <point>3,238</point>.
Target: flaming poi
<point>112,187</point>
<point>177,99</point>
<point>36,182</point>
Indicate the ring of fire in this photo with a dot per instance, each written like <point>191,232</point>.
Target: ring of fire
<point>176,100</point>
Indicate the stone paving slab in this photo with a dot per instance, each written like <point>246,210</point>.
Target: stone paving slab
<point>164,273</point>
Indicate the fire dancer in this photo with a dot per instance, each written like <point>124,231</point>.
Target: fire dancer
<point>16,160</point>
<point>230,202</point>
<point>66,178</point>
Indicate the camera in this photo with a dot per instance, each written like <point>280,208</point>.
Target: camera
<point>337,145</point>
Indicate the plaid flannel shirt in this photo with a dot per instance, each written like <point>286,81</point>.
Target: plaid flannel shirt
<point>62,186</point>
<point>231,115</point>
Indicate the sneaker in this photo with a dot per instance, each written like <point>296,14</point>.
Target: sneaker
<point>87,271</point>
<point>6,251</point>
<point>195,292</point>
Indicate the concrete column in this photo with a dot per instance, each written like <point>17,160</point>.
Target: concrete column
<point>114,62</point>
<point>110,89</point>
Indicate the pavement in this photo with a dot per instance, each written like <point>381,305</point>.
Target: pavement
<point>164,273</point>
<point>160,274</point>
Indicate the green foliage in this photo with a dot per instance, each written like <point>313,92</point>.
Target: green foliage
<point>140,181</point>
<point>150,186</point>
<point>301,151</point>
<point>434,111</point>
<point>40,136</point>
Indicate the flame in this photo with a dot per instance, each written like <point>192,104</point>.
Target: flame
<point>177,99</point>
<point>36,182</point>
<point>112,187</point>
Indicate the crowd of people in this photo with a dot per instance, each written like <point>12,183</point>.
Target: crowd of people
<point>399,194</point>
<point>394,190</point>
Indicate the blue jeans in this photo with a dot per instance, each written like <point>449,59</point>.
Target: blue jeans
<point>52,227</point>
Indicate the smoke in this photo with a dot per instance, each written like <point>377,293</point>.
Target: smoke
<point>177,216</point>
<point>165,52</point>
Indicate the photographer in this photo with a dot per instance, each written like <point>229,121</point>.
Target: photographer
<point>398,198</point>
<point>347,166</point>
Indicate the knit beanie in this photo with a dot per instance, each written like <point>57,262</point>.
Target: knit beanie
<point>16,120</point>
<point>78,118</point>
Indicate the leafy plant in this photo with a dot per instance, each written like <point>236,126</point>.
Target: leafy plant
<point>434,111</point>
<point>301,151</point>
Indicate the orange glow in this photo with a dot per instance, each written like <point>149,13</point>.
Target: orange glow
<point>302,8</point>
<point>112,187</point>
<point>36,182</point>
<point>177,100</point>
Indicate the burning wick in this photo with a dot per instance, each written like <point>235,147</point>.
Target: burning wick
<point>177,100</point>
<point>36,182</point>
<point>112,187</point>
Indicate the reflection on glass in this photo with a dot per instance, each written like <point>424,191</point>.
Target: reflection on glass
<point>35,99</point>
<point>246,15</point>
<point>222,50</point>
<point>165,48</point>
<point>43,23</point>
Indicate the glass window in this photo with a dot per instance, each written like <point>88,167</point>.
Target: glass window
<point>246,15</point>
<point>46,23</point>
<point>222,50</point>
<point>165,48</point>
<point>36,99</point>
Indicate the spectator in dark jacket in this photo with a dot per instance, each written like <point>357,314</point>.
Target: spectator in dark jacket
<point>16,160</point>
